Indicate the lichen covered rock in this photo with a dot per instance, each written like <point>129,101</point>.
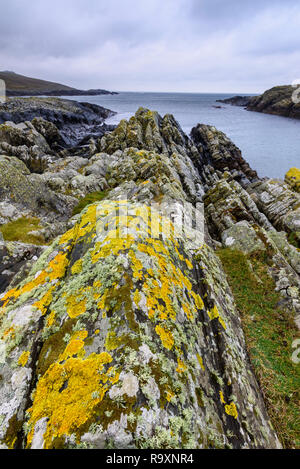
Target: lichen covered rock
<point>292,178</point>
<point>127,341</point>
<point>246,220</point>
<point>219,154</point>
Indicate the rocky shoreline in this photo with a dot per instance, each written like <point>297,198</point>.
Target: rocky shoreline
<point>277,101</point>
<point>236,101</point>
<point>74,120</point>
<point>120,329</point>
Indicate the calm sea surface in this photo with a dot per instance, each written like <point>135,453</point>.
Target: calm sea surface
<point>270,144</point>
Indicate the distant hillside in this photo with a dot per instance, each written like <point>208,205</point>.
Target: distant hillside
<point>19,85</point>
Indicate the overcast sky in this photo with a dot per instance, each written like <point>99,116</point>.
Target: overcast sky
<point>153,45</point>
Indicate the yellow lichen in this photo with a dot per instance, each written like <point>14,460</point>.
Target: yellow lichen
<point>75,346</point>
<point>189,264</point>
<point>51,319</point>
<point>292,177</point>
<point>45,301</point>
<point>231,410</point>
<point>200,360</point>
<point>169,395</point>
<point>77,267</point>
<point>166,337</point>
<point>10,332</point>
<point>137,297</point>
<point>23,360</point>
<point>222,398</point>
<point>181,368</point>
<point>69,394</point>
<point>76,305</point>
<point>214,314</point>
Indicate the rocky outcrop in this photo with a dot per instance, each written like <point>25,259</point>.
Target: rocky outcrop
<point>125,332</point>
<point>277,100</point>
<point>278,203</point>
<point>74,120</point>
<point>26,143</point>
<point>22,191</point>
<point>280,100</point>
<point>236,101</point>
<point>246,219</point>
<point>218,154</point>
<point>16,261</point>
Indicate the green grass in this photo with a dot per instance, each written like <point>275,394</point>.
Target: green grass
<point>19,230</point>
<point>292,239</point>
<point>269,335</point>
<point>87,200</point>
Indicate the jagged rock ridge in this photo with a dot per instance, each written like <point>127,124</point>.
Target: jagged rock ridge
<point>125,334</point>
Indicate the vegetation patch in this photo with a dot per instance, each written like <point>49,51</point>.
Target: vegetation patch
<point>89,199</point>
<point>270,334</point>
<point>20,230</point>
<point>293,239</point>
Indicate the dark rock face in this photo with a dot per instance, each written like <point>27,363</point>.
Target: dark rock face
<point>218,154</point>
<point>236,100</point>
<point>125,333</point>
<point>74,120</point>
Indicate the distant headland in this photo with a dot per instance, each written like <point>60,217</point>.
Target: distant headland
<point>20,85</point>
<point>279,100</point>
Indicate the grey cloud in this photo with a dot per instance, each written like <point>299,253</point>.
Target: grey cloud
<point>180,45</point>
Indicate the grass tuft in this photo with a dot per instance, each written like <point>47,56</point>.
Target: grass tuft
<point>294,240</point>
<point>269,334</point>
<point>19,230</point>
<point>87,200</point>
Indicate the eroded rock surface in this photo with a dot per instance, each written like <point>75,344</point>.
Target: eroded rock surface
<point>74,119</point>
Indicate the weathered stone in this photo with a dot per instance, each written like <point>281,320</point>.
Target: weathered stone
<point>218,153</point>
<point>111,297</point>
<point>243,237</point>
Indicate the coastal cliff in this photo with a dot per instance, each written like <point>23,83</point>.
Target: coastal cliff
<point>121,326</point>
<point>277,100</point>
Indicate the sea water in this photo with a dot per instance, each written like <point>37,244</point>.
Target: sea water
<point>270,144</point>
